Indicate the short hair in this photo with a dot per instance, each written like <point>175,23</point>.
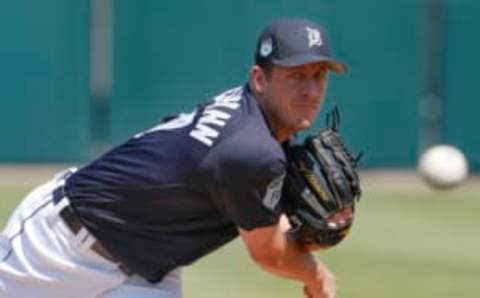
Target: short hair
<point>265,64</point>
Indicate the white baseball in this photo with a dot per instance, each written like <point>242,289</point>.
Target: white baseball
<point>443,166</point>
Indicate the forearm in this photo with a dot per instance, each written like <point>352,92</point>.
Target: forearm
<point>292,260</point>
<point>275,250</point>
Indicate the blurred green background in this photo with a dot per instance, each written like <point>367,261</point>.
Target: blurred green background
<point>78,77</point>
<point>408,241</point>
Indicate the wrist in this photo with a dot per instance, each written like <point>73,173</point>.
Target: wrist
<point>321,273</point>
<point>322,283</point>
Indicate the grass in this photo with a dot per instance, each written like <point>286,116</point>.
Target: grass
<point>404,244</point>
<point>416,244</point>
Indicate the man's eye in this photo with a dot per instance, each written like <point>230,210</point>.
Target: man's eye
<point>297,76</point>
<point>320,74</point>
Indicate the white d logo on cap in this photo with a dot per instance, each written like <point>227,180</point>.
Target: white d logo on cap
<point>266,47</point>
<point>314,37</point>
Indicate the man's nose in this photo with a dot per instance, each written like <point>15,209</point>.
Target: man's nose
<point>312,88</point>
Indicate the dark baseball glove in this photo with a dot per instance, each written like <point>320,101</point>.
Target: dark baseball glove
<point>321,181</point>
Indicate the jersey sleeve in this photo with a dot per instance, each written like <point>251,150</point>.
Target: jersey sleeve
<point>247,188</point>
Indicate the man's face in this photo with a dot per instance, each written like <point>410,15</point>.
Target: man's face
<point>293,96</point>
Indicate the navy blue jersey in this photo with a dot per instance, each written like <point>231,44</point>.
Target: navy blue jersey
<point>176,192</point>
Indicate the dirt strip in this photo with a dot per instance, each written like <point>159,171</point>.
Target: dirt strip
<point>28,174</point>
<point>378,179</point>
<point>400,179</point>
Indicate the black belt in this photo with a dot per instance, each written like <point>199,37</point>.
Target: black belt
<point>75,225</point>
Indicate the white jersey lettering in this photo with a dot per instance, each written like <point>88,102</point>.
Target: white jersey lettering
<point>180,121</point>
<point>212,116</point>
<point>204,134</point>
<point>229,99</point>
<point>216,117</point>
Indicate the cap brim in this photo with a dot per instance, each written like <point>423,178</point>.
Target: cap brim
<point>333,64</point>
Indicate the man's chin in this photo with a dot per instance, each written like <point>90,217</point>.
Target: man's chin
<point>302,124</point>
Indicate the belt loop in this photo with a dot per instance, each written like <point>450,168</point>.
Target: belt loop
<point>58,194</point>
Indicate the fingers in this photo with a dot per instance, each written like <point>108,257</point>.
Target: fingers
<point>321,288</point>
<point>321,294</point>
<point>306,292</point>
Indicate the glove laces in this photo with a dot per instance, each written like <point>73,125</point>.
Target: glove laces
<point>333,123</point>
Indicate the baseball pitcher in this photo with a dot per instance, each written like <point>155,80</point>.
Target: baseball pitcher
<point>125,224</point>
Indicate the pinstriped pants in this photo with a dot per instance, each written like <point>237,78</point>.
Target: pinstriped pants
<point>41,257</point>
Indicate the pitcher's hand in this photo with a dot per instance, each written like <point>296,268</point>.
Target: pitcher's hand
<point>322,286</point>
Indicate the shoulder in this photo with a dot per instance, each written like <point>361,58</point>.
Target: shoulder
<point>246,155</point>
<point>253,144</point>
<point>249,138</point>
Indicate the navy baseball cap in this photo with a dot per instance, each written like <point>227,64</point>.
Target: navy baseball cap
<point>294,42</point>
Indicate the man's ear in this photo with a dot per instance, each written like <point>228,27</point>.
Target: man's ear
<point>258,79</point>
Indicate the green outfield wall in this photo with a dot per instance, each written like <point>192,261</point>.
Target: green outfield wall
<point>169,56</point>
<point>44,80</point>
